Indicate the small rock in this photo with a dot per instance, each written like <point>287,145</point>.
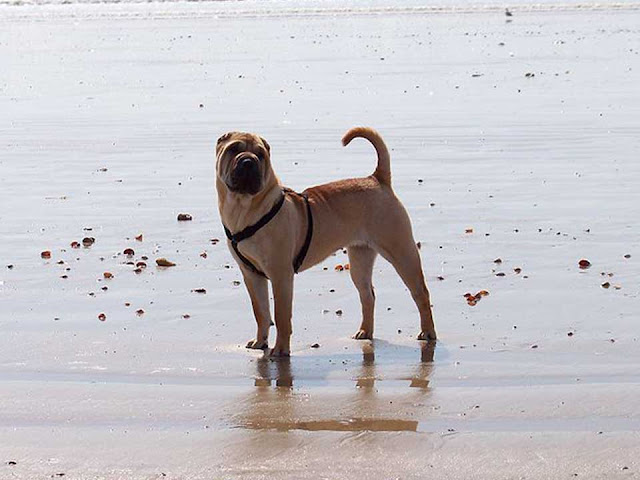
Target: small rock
<point>102,317</point>
<point>605,285</point>
<point>584,263</point>
<point>10,267</point>
<point>45,254</point>
<point>534,346</point>
<point>339,312</point>
<point>315,345</point>
<point>184,217</point>
<point>139,238</point>
<point>497,260</point>
<point>186,316</point>
<point>107,275</point>
<point>75,244</point>
<point>163,262</point>
<point>627,256</point>
<point>141,265</point>
<point>140,312</point>
<point>199,290</point>
<point>88,241</point>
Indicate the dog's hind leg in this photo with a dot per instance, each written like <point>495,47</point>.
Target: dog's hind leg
<point>361,260</point>
<point>405,258</point>
<point>259,292</point>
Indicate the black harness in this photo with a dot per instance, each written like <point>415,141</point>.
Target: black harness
<point>251,230</point>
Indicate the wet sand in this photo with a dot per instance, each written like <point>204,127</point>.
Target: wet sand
<point>109,118</point>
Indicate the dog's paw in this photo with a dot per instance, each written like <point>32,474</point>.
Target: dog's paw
<point>428,336</point>
<point>363,335</point>
<point>257,345</point>
<point>279,351</point>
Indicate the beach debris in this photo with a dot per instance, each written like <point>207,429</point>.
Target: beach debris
<point>476,75</point>
<point>104,288</point>
<point>186,316</point>
<point>140,312</point>
<point>141,265</point>
<point>419,245</point>
<point>534,346</point>
<point>529,75</point>
<point>605,285</point>
<point>584,264</point>
<point>236,283</point>
<point>338,268</point>
<point>129,252</point>
<point>315,345</point>
<point>517,270</point>
<point>570,334</point>
<point>10,266</point>
<point>468,230</point>
<point>88,241</point>
<point>64,276</point>
<point>497,260</point>
<point>11,462</point>
<point>75,244</point>
<point>440,277</point>
<point>339,312</point>
<point>139,238</point>
<point>107,275</point>
<point>137,270</point>
<point>127,304</point>
<point>214,240</point>
<point>500,274</point>
<point>184,217</point>
<point>420,180</point>
<point>203,254</point>
<point>45,254</point>
<point>163,262</point>
<point>627,256</point>
<point>199,290</point>
<point>472,300</point>
<point>102,317</point>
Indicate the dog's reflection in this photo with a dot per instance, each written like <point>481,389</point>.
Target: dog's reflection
<point>279,369</point>
<point>366,409</point>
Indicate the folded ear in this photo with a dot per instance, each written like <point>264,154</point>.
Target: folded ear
<point>222,140</point>
<point>266,144</point>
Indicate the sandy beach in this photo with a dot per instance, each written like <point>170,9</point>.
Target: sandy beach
<point>514,141</point>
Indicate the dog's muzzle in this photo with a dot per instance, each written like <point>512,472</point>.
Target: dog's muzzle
<point>245,177</point>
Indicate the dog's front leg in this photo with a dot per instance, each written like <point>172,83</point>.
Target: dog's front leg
<point>258,289</point>
<point>283,298</point>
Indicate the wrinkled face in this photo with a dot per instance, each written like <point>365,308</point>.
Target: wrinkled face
<point>243,162</point>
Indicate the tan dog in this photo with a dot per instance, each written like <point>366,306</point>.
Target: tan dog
<point>272,226</point>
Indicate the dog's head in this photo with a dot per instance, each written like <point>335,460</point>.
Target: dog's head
<point>243,162</point>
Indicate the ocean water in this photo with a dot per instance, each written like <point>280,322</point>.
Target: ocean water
<point>340,7</point>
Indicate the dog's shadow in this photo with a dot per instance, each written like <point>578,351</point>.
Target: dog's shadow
<point>368,401</point>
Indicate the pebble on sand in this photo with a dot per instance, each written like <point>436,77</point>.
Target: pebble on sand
<point>163,262</point>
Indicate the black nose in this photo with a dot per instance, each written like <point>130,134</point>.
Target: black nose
<point>247,165</point>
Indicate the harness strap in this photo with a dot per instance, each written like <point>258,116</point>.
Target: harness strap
<point>252,229</point>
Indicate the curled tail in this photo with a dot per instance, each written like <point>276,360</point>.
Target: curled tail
<point>383,170</point>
